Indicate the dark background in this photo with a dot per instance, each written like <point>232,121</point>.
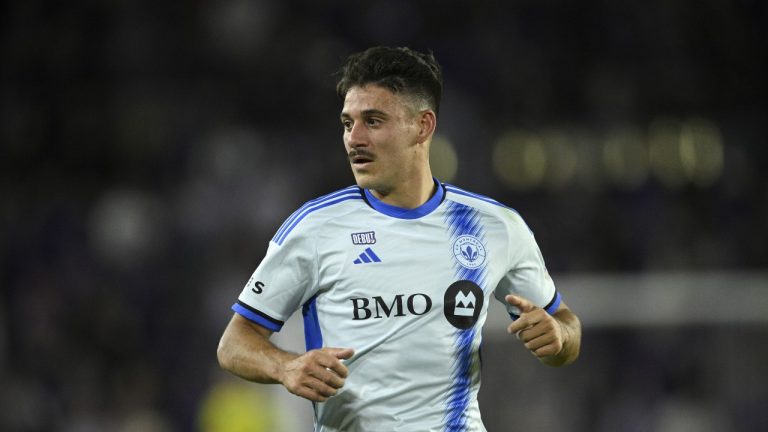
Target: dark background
<point>149,151</point>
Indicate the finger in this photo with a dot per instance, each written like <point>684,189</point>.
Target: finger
<point>524,335</point>
<point>539,325</point>
<point>523,322</point>
<point>334,363</point>
<point>540,341</point>
<point>517,326</point>
<point>310,394</point>
<point>543,339</point>
<point>328,377</point>
<point>322,388</point>
<point>528,319</point>
<point>342,353</point>
<point>339,369</point>
<point>548,350</point>
<point>314,392</point>
<point>523,304</point>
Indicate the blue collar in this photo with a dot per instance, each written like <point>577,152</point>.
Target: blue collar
<point>404,213</point>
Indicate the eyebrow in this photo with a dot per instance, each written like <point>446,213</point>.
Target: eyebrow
<point>367,113</point>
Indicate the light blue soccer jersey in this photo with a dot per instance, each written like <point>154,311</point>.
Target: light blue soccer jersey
<point>408,290</point>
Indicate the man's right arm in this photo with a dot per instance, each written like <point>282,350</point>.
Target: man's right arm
<point>246,351</point>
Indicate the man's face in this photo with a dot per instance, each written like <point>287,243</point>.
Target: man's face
<point>381,130</point>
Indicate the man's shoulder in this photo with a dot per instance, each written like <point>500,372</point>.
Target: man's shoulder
<point>476,200</point>
<point>315,212</point>
<point>484,204</point>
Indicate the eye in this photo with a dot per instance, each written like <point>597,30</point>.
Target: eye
<point>371,121</point>
<point>347,124</point>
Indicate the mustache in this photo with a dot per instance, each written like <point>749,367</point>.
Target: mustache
<point>355,153</point>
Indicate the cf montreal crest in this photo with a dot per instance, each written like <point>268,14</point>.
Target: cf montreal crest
<point>469,251</point>
<point>462,303</point>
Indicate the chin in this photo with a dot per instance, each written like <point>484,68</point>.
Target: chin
<point>365,181</point>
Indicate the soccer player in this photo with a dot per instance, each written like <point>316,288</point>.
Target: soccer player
<point>394,275</point>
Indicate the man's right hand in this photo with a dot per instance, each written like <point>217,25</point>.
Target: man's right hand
<point>318,374</point>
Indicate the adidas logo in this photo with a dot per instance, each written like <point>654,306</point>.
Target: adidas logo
<point>367,257</point>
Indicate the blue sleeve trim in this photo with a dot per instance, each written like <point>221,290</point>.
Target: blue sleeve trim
<point>551,308</point>
<point>257,316</point>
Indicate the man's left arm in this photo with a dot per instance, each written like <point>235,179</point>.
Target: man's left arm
<point>555,339</point>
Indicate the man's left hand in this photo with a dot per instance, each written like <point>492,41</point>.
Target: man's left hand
<point>539,331</point>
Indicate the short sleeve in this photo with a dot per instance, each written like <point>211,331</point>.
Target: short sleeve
<point>284,280</point>
<point>527,276</point>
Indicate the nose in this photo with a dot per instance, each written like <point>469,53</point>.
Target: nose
<point>357,136</point>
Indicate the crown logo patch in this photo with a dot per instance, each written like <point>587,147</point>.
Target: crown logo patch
<point>469,251</point>
<point>465,304</point>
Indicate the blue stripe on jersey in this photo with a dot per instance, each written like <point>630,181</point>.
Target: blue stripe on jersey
<point>301,214</point>
<point>458,400</point>
<point>463,220</point>
<point>313,337</point>
<point>454,189</point>
<point>310,203</point>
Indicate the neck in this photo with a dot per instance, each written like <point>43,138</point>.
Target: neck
<point>409,195</point>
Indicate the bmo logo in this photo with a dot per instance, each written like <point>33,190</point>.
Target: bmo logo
<point>377,307</point>
<point>462,304</point>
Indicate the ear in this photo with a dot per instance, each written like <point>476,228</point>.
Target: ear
<point>427,125</point>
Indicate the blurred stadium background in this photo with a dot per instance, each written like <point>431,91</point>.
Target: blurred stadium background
<point>149,151</point>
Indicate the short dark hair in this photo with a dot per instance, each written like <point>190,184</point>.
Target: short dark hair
<point>401,70</point>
